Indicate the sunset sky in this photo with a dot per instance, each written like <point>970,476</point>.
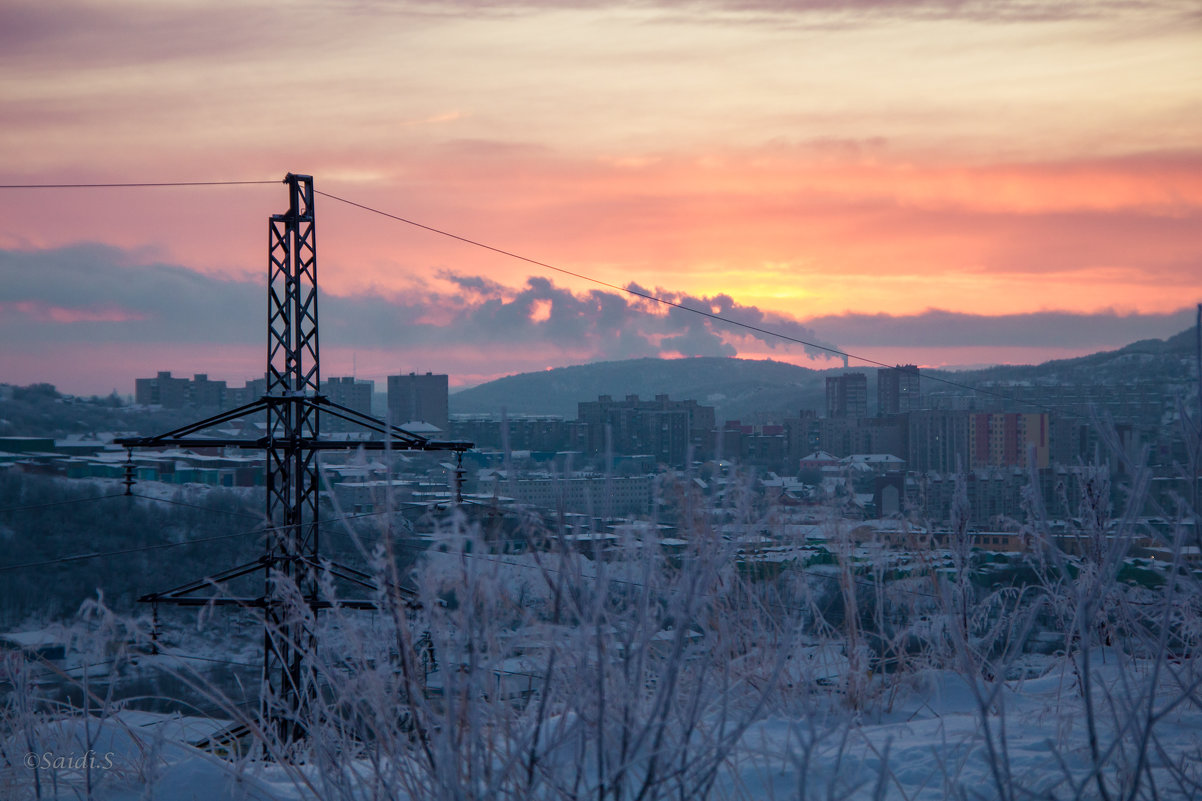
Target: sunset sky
<point>945,183</point>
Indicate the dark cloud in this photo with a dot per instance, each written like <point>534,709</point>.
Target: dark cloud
<point>742,321</point>
<point>97,295</point>
<point>171,304</point>
<point>599,323</point>
<point>698,342</point>
<point>471,283</point>
<point>937,328</point>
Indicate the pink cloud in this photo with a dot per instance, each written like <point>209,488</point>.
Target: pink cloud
<point>44,312</point>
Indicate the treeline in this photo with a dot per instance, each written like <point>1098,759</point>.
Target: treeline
<point>39,410</point>
<point>63,541</point>
<point>54,525</point>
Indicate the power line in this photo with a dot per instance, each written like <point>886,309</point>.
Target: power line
<point>102,554</point>
<point>60,503</point>
<point>174,655</point>
<point>162,545</point>
<point>61,672</point>
<point>173,502</point>
<point>136,185</point>
<point>211,509</point>
<point>564,271</point>
<point>681,306</point>
<point>598,281</point>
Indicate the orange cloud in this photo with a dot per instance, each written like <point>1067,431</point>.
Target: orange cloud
<point>812,237</point>
<point>789,228</point>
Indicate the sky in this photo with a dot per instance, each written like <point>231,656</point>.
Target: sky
<point>945,183</point>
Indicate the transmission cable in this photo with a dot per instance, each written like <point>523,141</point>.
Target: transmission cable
<point>171,501</point>
<point>136,185</point>
<point>162,545</point>
<point>60,503</point>
<point>676,305</point>
<point>510,254</point>
<point>628,290</point>
<point>173,655</point>
<point>233,512</point>
<point>99,555</point>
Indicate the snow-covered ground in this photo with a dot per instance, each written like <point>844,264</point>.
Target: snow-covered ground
<point>937,737</point>
<point>724,667</point>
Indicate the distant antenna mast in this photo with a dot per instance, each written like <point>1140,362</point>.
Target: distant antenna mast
<point>293,405</point>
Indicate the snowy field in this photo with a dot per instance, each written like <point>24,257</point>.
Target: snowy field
<point>940,738</point>
<point>703,670</point>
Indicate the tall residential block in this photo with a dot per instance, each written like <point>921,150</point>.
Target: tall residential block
<point>207,394</point>
<point>349,392</point>
<point>420,398</point>
<point>1005,439</point>
<point>662,428</point>
<point>897,390</point>
<point>165,391</point>
<point>240,396</point>
<point>847,395</point>
<point>937,440</point>
<point>843,436</point>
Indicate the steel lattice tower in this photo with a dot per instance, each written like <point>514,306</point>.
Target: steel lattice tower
<point>293,377</point>
<point>293,405</point>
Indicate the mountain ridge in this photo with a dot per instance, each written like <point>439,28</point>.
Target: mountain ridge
<point>754,390</point>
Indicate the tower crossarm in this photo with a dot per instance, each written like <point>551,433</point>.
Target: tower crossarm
<point>184,434</point>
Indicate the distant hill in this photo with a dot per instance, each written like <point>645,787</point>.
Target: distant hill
<point>737,388</point>
<point>1163,360</point>
<point>753,391</point>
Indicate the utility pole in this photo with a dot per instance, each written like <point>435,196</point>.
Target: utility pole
<point>293,405</point>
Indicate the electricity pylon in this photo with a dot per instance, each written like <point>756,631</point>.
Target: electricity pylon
<point>294,406</point>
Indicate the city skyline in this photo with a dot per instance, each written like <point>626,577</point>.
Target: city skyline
<point>936,183</point>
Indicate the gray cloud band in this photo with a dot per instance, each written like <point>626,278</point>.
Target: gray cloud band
<point>95,293</point>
